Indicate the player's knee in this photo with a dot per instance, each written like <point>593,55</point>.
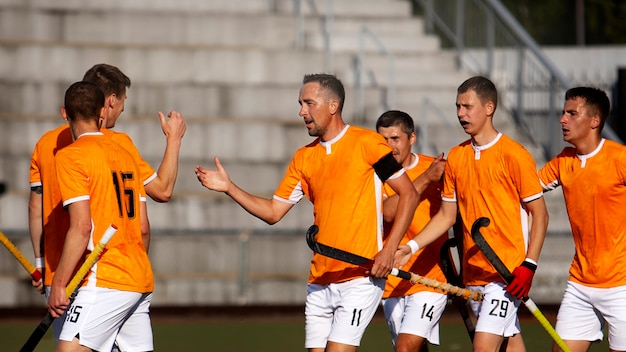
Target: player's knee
<point>412,345</point>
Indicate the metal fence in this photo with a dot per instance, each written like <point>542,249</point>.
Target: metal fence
<point>488,40</point>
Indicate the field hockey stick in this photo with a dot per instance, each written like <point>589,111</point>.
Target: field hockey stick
<point>368,263</point>
<point>507,276</point>
<point>34,273</point>
<point>45,323</point>
<point>453,278</point>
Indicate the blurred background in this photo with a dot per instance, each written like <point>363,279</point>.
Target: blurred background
<point>234,69</point>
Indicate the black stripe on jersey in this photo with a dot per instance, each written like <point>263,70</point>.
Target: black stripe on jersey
<point>386,166</point>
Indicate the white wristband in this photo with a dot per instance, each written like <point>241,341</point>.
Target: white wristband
<point>414,246</point>
<point>530,261</point>
<point>39,263</point>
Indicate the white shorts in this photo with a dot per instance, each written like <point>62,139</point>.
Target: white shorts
<point>584,310</point>
<point>417,314</point>
<point>97,315</point>
<point>497,312</point>
<point>340,312</point>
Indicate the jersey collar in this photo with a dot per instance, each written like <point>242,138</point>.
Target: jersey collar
<point>583,157</point>
<point>479,148</point>
<point>328,144</point>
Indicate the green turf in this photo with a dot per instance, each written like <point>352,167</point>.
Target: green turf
<point>272,336</point>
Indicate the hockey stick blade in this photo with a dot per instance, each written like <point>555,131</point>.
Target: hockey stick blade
<point>507,276</point>
<point>491,255</point>
<point>335,253</point>
<point>366,263</point>
<point>446,263</point>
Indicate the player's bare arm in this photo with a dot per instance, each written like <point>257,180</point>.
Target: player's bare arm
<point>524,273</point>
<point>407,202</point>
<point>145,225</point>
<point>539,227</point>
<point>268,210</point>
<point>35,227</point>
<point>76,241</point>
<point>436,227</point>
<point>162,187</point>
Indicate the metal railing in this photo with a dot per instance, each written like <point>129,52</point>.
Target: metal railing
<point>488,40</point>
<point>388,100</point>
<point>326,25</point>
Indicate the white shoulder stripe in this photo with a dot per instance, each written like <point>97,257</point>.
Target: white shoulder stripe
<point>550,186</point>
<point>75,199</point>
<point>533,197</point>
<point>295,196</point>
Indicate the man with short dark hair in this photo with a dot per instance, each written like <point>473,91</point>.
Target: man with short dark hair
<point>592,175</point>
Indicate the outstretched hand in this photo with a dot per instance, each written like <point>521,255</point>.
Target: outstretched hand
<point>175,127</point>
<point>215,180</point>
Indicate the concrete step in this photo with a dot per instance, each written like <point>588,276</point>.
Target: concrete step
<point>375,43</point>
<point>145,27</point>
<point>151,28</point>
<point>352,8</point>
<point>14,208</point>
<point>361,8</point>
<point>235,102</point>
<point>199,268</point>
<point>29,61</point>
<point>379,25</point>
<point>121,6</point>
<point>267,266</point>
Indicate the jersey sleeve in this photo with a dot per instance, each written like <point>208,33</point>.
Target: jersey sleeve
<point>448,194</point>
<point>35,171</point>
<point>549,175</point>
<point>292,187</point>
<point>378,153</point>
<point>72,177</point>
<point>523,171</point>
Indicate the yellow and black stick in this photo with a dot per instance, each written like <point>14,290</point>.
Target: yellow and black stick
<point>45,323</point>
<point>34,273</point>
<point>366,263</point>
<point>507,276</point>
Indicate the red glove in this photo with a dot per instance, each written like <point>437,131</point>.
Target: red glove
<point>522,280</point>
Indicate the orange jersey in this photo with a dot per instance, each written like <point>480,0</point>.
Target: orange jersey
<point>426,261</point>
<point>146,172</point>
<point>43,173</point>
<point>97,169</point>
<point>338,177</point>
<point>594,188</point>
<point>494,181</point>
<point>55,217</point>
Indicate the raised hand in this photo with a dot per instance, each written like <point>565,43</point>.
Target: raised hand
<point>175,127</point>
<point>435,170</point>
